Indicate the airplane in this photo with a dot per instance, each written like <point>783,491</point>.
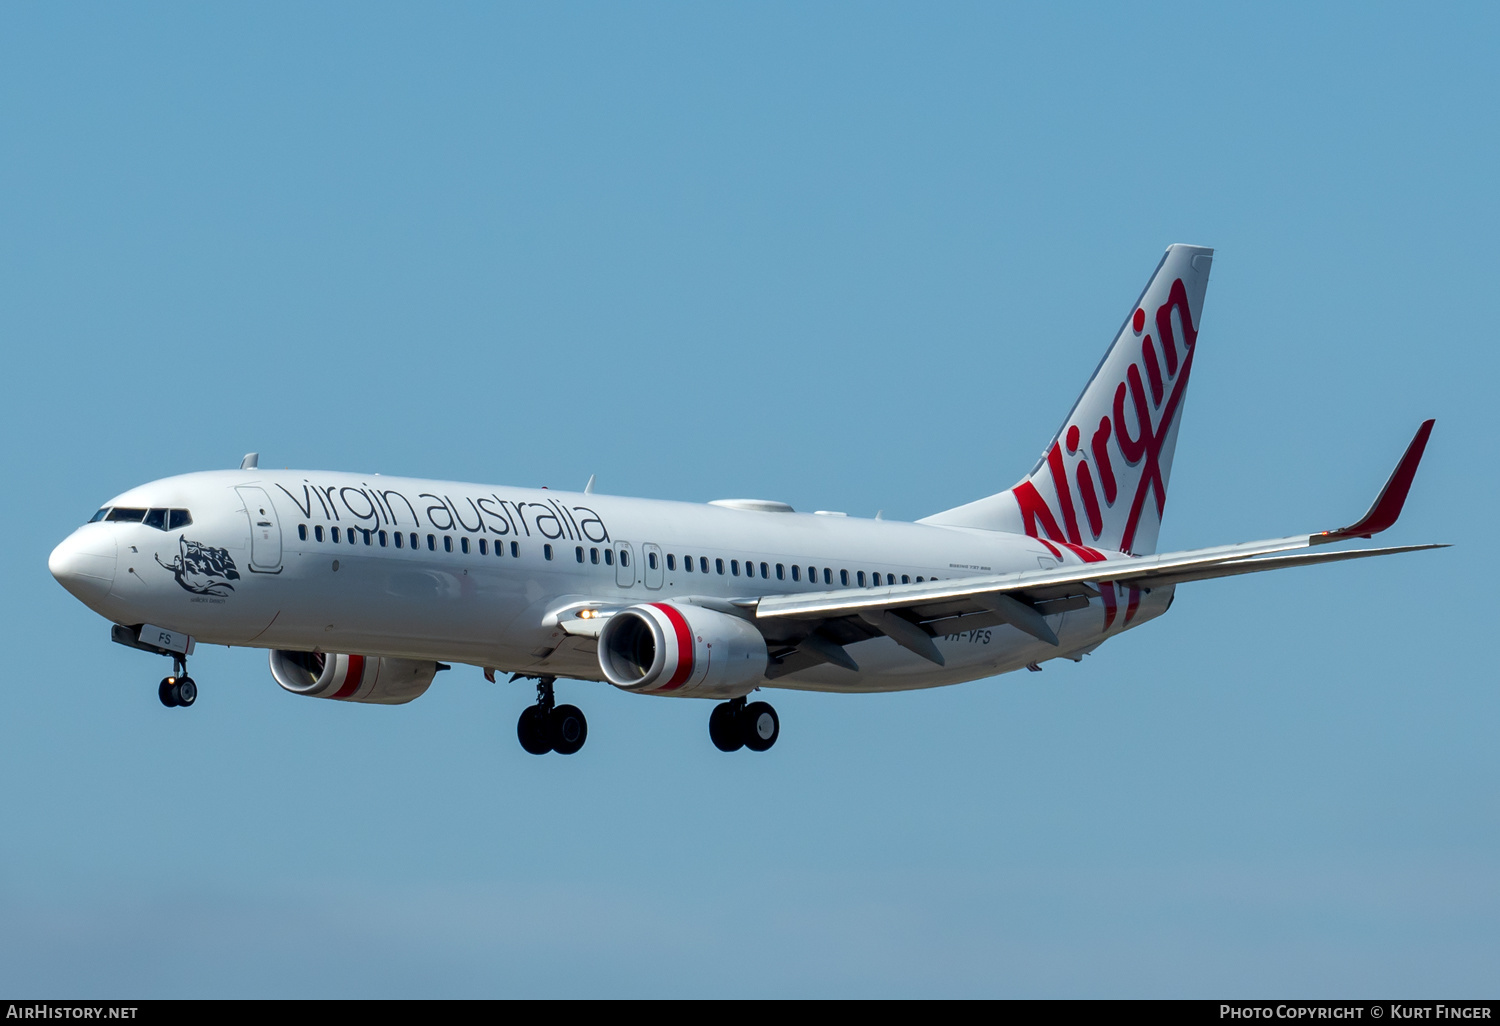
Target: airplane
<point>363,588</point>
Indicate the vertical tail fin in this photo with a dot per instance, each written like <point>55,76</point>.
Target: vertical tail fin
<point>1102,481</point>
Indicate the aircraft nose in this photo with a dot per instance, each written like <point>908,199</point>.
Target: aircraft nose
<point>85,564</point>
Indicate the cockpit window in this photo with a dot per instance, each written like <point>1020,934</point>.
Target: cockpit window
<point>161,519</point>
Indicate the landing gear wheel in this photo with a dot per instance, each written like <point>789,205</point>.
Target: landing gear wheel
<point>167,692</point>
<point>760,726</point>
<point>569,729</point>
<point>187,691</point>
<point>724,729</point>
<point>534,730</point>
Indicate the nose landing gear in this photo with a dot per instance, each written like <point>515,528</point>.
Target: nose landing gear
<point>178,689</point>
<point>174,691</point>
<point>734,725</point>
<point>548,727</point>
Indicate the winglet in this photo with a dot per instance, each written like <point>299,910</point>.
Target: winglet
<point>1392,497</point>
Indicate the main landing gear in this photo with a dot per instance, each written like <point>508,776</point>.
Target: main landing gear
<point>178,689</point>
<point>734,725</point>
<point>548,727</point>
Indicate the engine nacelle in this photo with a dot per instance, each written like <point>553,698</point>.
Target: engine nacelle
<point>352,678</point>
<point>662,648</point>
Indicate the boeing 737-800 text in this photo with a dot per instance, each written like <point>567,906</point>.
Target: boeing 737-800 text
<point>363,587</point>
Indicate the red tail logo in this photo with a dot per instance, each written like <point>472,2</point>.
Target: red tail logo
<point>1154,400</point>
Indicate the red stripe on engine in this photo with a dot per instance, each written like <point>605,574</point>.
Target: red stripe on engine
<point>356,675</point>
<point>684,647</point>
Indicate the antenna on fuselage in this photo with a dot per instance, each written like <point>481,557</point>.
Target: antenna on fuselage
<point>251,461</point>
<point>588,489</point>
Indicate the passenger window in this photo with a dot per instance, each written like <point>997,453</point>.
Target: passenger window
<point>157,518</point>
<point>484,547</point>
<point>765,572</point>
<point>687,563</point>
<point>318,532</point>
<point>447,543</point>
<point>796,572</point>
<point>703,563</point>
<point>719,566</point>
<point>120,515</point>
<point>400,539</point>
<point>780,572</point>
<point>515,550</point>
<point>335,534</point>
<point>651,560</point>
<point>463,544</point>
<point>624,557</point>
<point>178,518</point>
<point>366,534</point>
<point>861,578</point>
<point>593,555</point>
<point>905,578</point>
<point>414,544</point>
<point>734,567</point>
<point>919,578</point>
<point>301,529</point>
<point>383,539</point>
<point>579,553</point>
<point>844,578</point>
<point>609,556</point>
<point>99,515</point>
<point>671,561</point>
<point>812,575</point>
<point>546,551</point>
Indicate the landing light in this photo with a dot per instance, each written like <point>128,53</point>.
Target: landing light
<point>587,614</point>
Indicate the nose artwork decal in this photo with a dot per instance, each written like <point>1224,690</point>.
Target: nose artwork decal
<point>202,569</point>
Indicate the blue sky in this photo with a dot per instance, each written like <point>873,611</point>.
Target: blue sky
<point>856,257</point>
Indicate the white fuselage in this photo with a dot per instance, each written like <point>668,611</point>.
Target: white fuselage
<point>481,574</point>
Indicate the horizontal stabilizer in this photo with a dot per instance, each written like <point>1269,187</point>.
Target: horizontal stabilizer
<point>910,613</point>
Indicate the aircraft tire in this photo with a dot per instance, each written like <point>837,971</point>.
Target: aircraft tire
<point>534,730</point>
<point>569,729</point>
<point>723,730</point>
<point>760,725</point>
<point>166,692</point>
<point>186,691</point>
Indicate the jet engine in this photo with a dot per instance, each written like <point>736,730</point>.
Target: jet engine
<point>352,678</point>
<point>662,648</point>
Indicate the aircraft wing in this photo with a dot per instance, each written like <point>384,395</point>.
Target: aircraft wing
<point>813,628</point>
